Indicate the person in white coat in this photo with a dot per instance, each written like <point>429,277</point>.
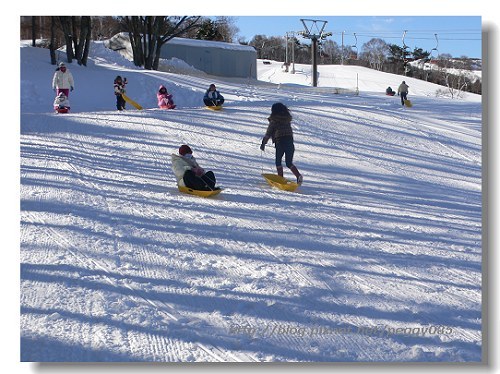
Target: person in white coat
<point>63,80</point>
<point>189,173</point>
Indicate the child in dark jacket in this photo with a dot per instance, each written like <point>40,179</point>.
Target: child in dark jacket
<point>281,133</point>
<point>213,97</point>
<point>119,86</point>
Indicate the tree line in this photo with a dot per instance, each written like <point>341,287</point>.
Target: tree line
<point>442,69</point>
<point>148,34</point>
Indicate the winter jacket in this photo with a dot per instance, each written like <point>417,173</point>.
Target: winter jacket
<point>63,80</point>
<point>120,87</point>
<point>180,165</point>
<point>279,127</point>
<point>61,102</point>
<point>213,95</point>
<point>164,99</point>
<point>403,87</point>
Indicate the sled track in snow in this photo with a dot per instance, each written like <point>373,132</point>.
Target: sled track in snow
<point>167,310</point>
<point>424,317</point>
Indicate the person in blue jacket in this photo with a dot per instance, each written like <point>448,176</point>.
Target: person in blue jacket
<point>213,97</point>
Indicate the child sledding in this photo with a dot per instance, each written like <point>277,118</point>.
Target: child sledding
<point>213,99</point>
<point>61,103</point>
<point>191,178</point>
<point>165,100</point>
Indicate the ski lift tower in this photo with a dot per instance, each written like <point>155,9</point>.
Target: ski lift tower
<point>315,33</point>
<point>404,53</point>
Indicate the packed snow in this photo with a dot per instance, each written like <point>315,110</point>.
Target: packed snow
<point>375,258</point>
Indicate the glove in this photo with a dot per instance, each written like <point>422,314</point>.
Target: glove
<point>262,147</point>
<point>72,88</point>
<point>198,171</point>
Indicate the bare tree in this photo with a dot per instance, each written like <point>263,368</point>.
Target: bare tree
<point>227,28</point>
<point>272,48</point>
<point>77,32</point>
<point>375,52</point>
<point>148,34</point>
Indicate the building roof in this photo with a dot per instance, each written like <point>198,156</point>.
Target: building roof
<point>210,44</point>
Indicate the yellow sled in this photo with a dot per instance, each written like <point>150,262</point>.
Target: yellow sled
<point>214,107</point>
<point>199,192</point>
<point>131,102</point>
<point>280,182</point>
<point>408,103</point>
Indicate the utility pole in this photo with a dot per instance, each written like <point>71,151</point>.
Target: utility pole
<point>286,53</point>
<point>405,47</point>
<point>342,55</point>
<point>319,35</point>
<point>292,34</point>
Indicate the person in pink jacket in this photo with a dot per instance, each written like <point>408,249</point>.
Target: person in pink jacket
<point>164,98</point>
<point>63,80</point>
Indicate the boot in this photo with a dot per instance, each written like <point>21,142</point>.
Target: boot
<point>295,172</point>
<point>280,170</point>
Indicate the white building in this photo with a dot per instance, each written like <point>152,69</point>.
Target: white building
<point>214,58</point>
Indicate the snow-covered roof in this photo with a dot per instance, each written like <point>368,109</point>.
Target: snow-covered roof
<point>210,44</point>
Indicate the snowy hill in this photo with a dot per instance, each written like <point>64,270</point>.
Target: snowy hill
<point>377,257</point>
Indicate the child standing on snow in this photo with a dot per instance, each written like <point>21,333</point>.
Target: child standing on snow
<point>189,173</point>
<point>281,133</point>
<point>164,98</point>
<point>119,86</point>
<point>61,103</point>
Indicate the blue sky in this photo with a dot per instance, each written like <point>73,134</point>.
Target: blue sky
<point>457,35</point>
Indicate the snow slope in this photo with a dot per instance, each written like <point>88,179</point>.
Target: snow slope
<point>377,257</point>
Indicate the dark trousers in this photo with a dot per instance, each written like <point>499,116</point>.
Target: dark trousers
<point>285,146</point>
<point>403,97</point>
<point>211,102</point>
<point>204,183</point>
<point>120,102</point>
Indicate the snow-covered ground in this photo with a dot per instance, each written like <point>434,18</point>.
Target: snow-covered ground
<point>377,257</point>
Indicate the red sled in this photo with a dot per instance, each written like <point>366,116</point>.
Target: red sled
<point>172,106</point>
<point>62,110</point>
<point>390,93</point>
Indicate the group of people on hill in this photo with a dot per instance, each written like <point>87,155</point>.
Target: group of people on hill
<point>63,83</point>
<point>165,100</point>
<point>186,169</point>
<point>189,173</point>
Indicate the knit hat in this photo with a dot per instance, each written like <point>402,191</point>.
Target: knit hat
<point>62,65</point>
<point>183,149</point>
<point>279,108</point>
